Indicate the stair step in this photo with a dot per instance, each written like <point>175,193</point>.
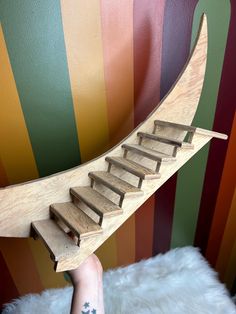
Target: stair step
<point>96,201</point>
<point>56,240</point>
<point>191,129</point>
<point>165,139</point>
<point>147,152</point>
<point>133,167</point>
<point>75,219</point>
<point>114,183</point>
<point>179,126</point>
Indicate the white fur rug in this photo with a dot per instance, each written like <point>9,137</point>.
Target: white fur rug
<point>178,282</point>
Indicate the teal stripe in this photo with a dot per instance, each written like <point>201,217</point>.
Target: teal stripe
<point>191,177</point>
<point>35,41</point>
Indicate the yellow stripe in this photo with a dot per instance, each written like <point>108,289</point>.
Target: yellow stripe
<point>16,151</point>
<point>82,29</point>
<point>49,278</point>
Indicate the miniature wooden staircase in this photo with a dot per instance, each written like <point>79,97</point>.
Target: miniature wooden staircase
<point>69,217</point>
<point>93,200</point>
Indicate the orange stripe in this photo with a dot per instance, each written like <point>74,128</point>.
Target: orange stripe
<point>117,35</point>
<point>21,265</point>
<point>16,151</point>
<point>228,240</point>
<point>224,198</point>
<point>82,30</point>
<point>49,278</point>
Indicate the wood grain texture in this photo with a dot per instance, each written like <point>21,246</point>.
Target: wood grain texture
<point>114,183</point>
<point>75,219</point>
<point>147,152</point>
<point>133,167</point>
<point>100,204</point>
<point>57,241</point>
<point>30,201</point>
<point>24,203</point>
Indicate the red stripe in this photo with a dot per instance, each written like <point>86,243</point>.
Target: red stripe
<point>223,123</point>
<point>8,289</point>
<point>144,229</point>
<point>177,29</point>
<point>148,23</point>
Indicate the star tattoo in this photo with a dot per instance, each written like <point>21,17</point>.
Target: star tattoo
<point>86,305</point>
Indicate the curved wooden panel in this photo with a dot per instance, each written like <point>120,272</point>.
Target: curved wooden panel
<point>21,204</point>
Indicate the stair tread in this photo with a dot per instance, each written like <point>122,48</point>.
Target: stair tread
<point>99,203</point>
<point>133,167</point>
<point>166,140</point>
<point>116,184</point>
<point>147,152</point>
<point>77,221</point>
<point>56,240</point>
<point>175,125</point>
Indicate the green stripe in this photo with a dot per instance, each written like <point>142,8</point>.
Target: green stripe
<point>191,177</point>
<point>34,36</point>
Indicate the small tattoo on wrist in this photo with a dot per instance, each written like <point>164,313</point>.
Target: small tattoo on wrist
<point>88,309</point>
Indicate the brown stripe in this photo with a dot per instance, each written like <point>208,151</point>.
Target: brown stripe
<point>8,289</point>
<point>3,176</point>
<point>164,211</point>
<point>21,265</point>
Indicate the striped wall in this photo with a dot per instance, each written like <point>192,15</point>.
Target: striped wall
<point>75,78</point>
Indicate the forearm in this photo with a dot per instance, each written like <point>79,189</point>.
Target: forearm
<point>88,288</point>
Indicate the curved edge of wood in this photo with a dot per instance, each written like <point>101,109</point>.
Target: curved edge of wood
<point>23,203</point>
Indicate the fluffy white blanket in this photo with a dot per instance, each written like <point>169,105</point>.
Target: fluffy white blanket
<point>178,282</point>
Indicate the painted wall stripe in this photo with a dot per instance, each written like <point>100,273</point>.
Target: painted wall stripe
<point>144,229</point>
<point>230,270</point>
<point>85,60</point>
<point>205,114</point>
<point>191,176</point>
<point>44,265</point>
<point>148,27</point>
<point>148,21</point>
<point>227,245</point>
<point>17,159</point>
<point>8,289</point>
<point>117,36</point>
<point>225,108</point>
<point>176,40</point>
<point>82,29</point>
<point>35,43</point>
<point>177,29</point>
<point>22,269</point>
<point>3,176</point>
<point>163,217</point>
<point>224,197</point>
<point>228,239</point>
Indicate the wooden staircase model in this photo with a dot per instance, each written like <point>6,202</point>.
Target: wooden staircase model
<point>91,201</point>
